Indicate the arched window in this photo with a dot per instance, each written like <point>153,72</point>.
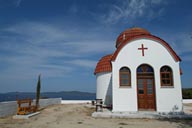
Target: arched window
<point>145,71</point>
<point>124,77</point>
<point>166,76</point>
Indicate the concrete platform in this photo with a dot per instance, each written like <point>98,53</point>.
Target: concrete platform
<point>141,115</point>
<point>25,116</point>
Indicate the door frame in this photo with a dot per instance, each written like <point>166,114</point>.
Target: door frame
<point>146,76</point>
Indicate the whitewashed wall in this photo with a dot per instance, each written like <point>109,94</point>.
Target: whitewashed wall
<point>104,87</point>
<point>125,99</point>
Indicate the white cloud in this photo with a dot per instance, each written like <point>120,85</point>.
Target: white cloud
<point>83,63</point>
<point>37,33</point>
<point>129,10</point>
<point>181,42</point>
<point>31,48</point>
<point>10,3</point>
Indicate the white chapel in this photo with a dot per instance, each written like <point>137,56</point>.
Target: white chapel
<point>143,74</point>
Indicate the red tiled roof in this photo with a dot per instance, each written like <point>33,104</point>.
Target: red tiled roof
<point>130,33</point>
<point>104,64</point>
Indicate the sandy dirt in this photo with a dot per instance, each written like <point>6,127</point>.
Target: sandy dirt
<point>79,116</point>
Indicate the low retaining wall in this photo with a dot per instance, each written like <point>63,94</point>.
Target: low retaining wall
<point>50,101</point>
<point>187,101</point>
<point>75,101</point>
<point>10,108</point>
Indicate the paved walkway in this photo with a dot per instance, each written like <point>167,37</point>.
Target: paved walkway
<point>145,114</point>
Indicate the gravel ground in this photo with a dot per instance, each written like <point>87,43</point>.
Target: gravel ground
<point>79,116</point>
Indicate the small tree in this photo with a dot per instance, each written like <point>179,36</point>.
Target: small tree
<point>38,91</point>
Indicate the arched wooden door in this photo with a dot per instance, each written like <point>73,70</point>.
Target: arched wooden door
<point>146,88</point>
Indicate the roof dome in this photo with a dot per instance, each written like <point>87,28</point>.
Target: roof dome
<point>130,33</point>
<point>104,64</point>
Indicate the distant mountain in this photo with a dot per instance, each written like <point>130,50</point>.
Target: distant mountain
<point>65,95</point>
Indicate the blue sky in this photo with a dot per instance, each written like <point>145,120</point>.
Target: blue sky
<point>64,39</point>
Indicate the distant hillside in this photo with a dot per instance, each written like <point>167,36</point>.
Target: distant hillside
<point>65,95</point>
<point>187,93</point>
